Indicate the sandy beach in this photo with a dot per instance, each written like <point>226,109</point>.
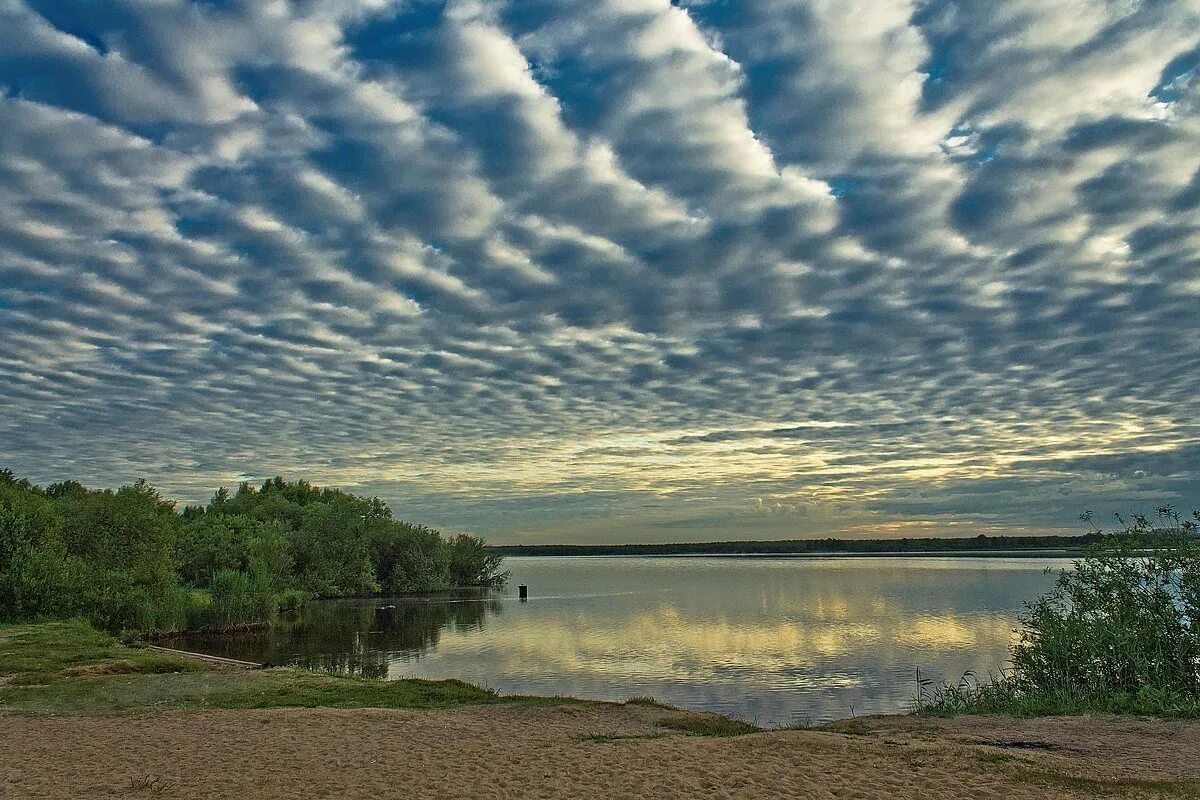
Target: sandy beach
<point>585,751</point>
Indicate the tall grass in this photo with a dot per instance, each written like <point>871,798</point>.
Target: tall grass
<point>235,598</point>
<point>1118,633</point>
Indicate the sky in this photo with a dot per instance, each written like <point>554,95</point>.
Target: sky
<point>610,270</point>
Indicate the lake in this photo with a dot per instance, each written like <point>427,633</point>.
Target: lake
<point>772,640</point>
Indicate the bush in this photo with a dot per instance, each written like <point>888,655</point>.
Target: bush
<point>34,576</point>
<point>1119,633</point>
<point>1122,622</point>
<point>212,544</point>
<point>332,547</point>
<point>470,565</point>
<point>289,601</point>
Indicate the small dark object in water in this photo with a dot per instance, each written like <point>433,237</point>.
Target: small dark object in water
<point>523,592</point>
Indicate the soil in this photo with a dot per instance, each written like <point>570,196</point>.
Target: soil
<point>584,751</point>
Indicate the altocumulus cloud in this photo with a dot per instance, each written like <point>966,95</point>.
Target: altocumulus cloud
<point>610,269</point>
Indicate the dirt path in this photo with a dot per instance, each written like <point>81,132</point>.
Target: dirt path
<point>575,751</point>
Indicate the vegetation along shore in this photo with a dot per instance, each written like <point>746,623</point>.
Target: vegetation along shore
<point>128,560</point>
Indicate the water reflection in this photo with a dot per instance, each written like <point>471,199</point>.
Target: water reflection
<point>357,637</point>
<point>777,640</point>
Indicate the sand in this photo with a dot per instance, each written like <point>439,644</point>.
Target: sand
<point>525,752</point>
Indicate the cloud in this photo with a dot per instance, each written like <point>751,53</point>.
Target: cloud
<point>555,270</point>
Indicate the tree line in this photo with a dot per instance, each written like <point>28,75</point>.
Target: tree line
<point>979,543</point>
<point>127,559</point>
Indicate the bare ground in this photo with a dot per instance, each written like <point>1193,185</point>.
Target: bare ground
<point>584,751</point>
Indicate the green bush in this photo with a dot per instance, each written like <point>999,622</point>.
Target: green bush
<point>470,565</point>
<point>1121,622</point>
<point>1119,632</point>
<point>289,601</point>
<point>410,558</point>
<point>332,547</point>
<point>105,556</point>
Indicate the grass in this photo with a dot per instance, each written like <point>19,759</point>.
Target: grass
<point>853,727</point>
<point>649,702</point>
<point>53,651</point>
<point>278,688</point>
<point>708,725</point>
<point>69,667</point>
<point>1007,696</point>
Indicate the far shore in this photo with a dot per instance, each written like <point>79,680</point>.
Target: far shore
<point>1036,553</point>
<point>974,546</point>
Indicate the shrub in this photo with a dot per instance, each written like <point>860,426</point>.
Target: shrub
<point>470,565</point>
<point>290,601</point>
<point>1122,621</point>
<point>410,558</point>
<point>1120,632</point>
<point>211,544</point>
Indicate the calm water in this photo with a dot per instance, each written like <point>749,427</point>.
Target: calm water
<point>775,640</point>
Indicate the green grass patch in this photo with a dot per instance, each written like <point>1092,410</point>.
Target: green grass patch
<point>238,689</point>
<point>1008,697</point>
<point>54,651</point>
<point>708,725</point>
<point>69,667</point>
<point>649,702</point>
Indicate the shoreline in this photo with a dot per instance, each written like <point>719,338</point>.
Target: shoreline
<point>82,715</point>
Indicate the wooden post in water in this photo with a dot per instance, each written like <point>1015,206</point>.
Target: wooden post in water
<point>523,593</point>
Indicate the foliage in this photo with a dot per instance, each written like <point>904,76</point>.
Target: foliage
<point>472,565</point>
<point>1119,633</point>
<point>102,554</point>
<point>236,598</point>
<point>333,546</point>
<point>289,601</point>
<point>126,560</point>
<point>411,558</point>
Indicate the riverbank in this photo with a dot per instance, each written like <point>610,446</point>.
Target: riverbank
<point>82,716</point>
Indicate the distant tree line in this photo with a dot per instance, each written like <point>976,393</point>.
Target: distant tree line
<point>803,546</point>
<point>127,560</point>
